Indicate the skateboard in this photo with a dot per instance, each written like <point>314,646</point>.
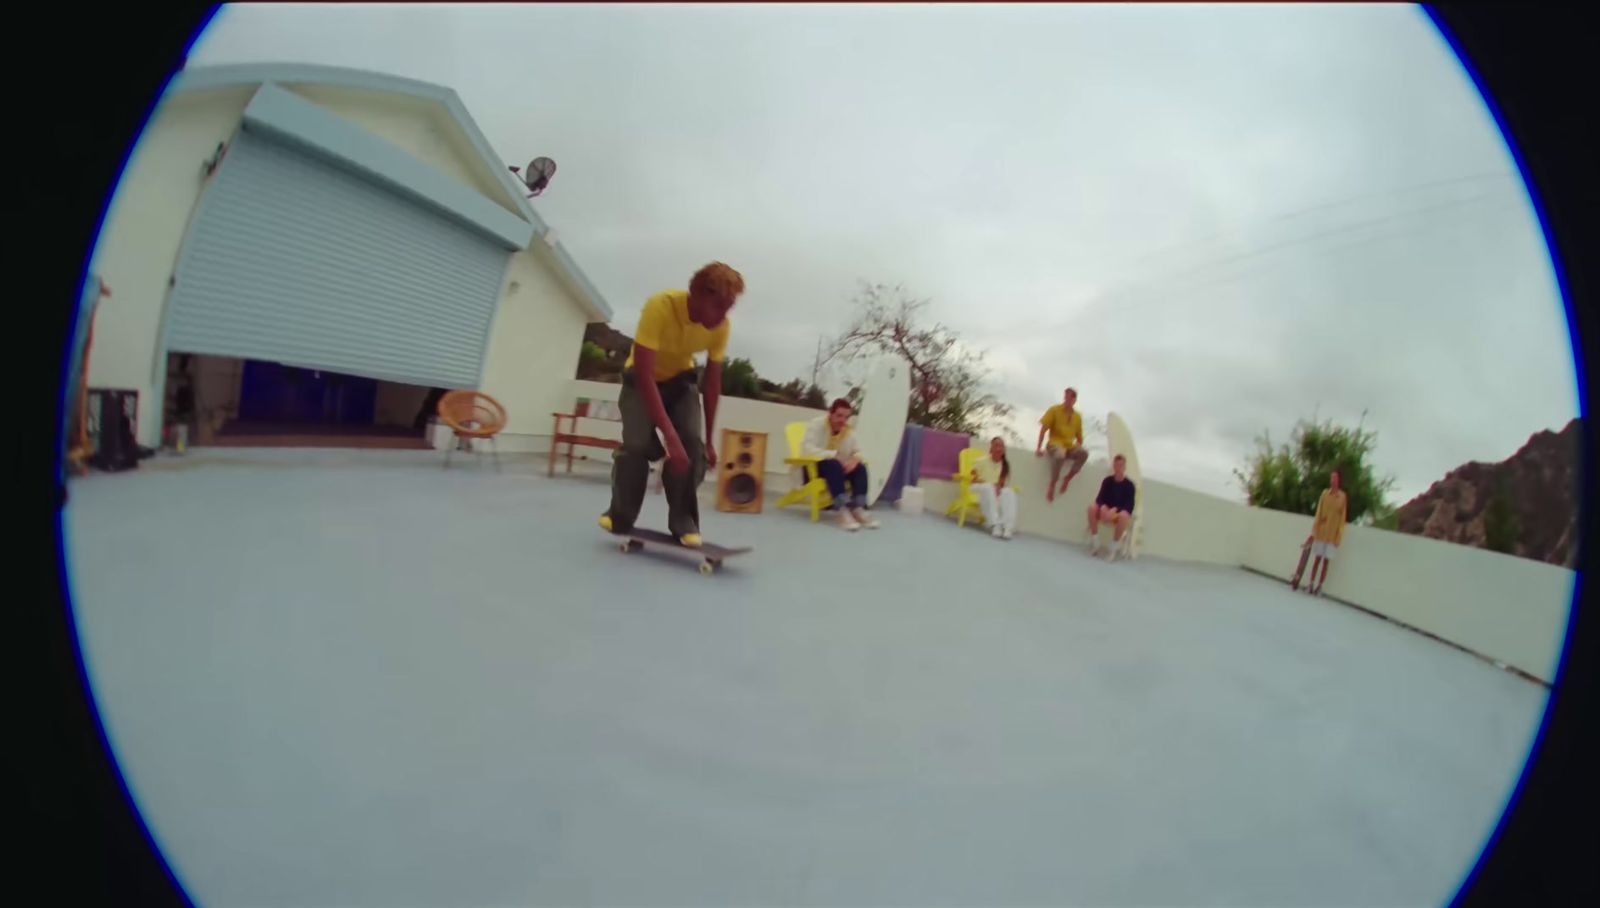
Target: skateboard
<point>1299,569</point>
<point>634,540</point>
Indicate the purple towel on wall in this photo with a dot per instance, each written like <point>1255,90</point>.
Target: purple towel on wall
<point>906,464</point>
<point>941,453</point>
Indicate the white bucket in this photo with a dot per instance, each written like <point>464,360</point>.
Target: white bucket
<point>911,500</point>
<point>439,434</point>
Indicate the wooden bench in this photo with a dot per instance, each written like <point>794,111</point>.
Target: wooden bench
<point>573,439</point>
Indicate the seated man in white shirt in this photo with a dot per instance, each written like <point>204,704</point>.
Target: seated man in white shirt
<point>829,438</point>
<point>991,476</point>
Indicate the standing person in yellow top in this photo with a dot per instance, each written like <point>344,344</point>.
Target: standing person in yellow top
<point>658,396</point>
<point>1327,531</point>
<point>1064,426</point>
<point>991,476</point>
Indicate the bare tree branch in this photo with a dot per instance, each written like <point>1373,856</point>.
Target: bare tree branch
<point>947,383</point>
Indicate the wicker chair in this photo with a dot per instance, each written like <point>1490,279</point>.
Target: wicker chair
<point>472,415</point>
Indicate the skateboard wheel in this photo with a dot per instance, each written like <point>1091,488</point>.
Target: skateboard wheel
<point>706,567</point>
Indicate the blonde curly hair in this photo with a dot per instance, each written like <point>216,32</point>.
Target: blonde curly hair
<point>717,280</point>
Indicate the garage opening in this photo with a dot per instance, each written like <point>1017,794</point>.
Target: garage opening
<point>223,401</point>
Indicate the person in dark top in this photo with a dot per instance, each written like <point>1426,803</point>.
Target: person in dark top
<point>1114,505</point>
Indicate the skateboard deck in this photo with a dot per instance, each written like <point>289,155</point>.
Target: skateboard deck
<point>634,540</point>
<point>1299,569</point>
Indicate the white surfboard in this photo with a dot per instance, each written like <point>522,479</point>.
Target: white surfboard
<point>1120,441</point>
<point>881,422</point>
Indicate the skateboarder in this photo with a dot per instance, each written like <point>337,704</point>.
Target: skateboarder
<point>662,416</point>
<point>1114,505</point>
<point>1327,531</point>
<point>1064,425</point>
<point>829,438</point>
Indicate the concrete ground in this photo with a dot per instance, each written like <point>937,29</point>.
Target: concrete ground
<point>355,679</point>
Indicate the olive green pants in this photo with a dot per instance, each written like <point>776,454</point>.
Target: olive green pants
<point>641,446</point>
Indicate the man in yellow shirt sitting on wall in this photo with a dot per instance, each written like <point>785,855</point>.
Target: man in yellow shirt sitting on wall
<point>658,396</point>
<point>1064,425</point>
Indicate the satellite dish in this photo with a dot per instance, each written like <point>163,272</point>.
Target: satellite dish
<point>538,175</point>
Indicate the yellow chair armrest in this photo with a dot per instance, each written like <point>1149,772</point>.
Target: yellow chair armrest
<point>801,461</point>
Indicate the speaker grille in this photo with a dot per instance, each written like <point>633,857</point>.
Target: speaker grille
<point>740,480</point>
<point>742,489</point>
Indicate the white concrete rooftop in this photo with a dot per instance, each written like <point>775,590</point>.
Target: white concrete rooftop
<point>355,679</point>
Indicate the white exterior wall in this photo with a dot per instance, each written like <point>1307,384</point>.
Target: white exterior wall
<point>533,352</point>
<point>138,245</point>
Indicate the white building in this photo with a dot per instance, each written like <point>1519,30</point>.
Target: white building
<point>278,223</point>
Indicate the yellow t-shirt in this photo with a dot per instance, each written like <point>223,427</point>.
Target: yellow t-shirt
<point>664,327</point>
<point>988,469</point>
<point>1328,526</point>
<point>1065,428</point>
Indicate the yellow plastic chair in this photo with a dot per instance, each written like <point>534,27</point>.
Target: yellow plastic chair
<point>966,503</point>
<point>813,488</point>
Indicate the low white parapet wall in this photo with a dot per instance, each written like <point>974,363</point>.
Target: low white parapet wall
<point>1062,520</point>
<point>1512,610</point>
<point>732,413</point>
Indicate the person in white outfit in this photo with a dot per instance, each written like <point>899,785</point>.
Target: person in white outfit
<point>991,477</point>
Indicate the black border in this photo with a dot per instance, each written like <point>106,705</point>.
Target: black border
<point>90,98</point>
<point>1529,66</point>
<point>1528,62</point>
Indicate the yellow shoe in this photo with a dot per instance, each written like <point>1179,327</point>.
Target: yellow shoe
<point>690,540</point>
<point>605,522</point>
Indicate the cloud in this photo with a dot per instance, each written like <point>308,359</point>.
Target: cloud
<point>1213,221</point>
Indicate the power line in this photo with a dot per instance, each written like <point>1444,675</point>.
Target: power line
<point>1301,212</point>
<point>1357,227</point>
<point>1344,230</point>
<point>1335,231</point>
<point>1354,242</point>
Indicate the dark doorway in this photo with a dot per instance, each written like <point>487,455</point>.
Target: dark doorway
<point>275,393</point>
<point>254,403</point>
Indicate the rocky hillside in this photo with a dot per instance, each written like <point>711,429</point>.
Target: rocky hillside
<point>1536,514</point>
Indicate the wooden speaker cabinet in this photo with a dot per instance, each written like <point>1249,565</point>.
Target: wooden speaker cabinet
<point>742,471</point>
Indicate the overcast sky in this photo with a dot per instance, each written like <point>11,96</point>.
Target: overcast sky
<point>1211,220</point>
